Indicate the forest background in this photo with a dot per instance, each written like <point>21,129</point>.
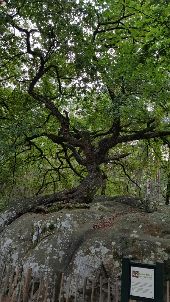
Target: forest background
<point>85,100</point>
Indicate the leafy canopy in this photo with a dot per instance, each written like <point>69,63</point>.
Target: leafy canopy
<point>80,81</point>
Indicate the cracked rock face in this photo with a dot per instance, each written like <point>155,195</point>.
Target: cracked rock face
<point>79,242</point>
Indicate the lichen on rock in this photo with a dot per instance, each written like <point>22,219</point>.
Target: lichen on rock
<point>81,242</point>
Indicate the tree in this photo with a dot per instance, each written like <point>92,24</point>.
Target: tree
<point>167,168</point>
<point>82,83</point>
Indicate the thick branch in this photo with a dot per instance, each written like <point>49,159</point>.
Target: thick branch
<point>116,157</point>
<point>67,158</point>
<point>76,155</point>
<point>140,135</point>
<point>69,143</point>
<point>111,141</point>
<point>82,194</point>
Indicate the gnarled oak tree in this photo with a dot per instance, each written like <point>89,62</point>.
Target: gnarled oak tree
<point>83,79</point>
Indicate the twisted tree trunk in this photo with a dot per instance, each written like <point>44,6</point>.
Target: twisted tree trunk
<point>83,193</point>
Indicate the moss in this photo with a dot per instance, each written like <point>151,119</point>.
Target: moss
<point>51,227</point>
<point>54,208</point>
<point>69,206</point>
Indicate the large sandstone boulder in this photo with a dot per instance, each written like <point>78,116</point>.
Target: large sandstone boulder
<point>83,242</point>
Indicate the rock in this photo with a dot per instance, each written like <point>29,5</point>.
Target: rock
<point>85,242</point>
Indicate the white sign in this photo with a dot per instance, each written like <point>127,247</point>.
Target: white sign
<point>142,282</point>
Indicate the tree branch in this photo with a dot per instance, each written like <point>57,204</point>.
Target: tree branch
<point>116,157</point>
<point>110,22</point>
<point>41,71</point>
<point>140,135</point>
<point>128,176</point>
<point>70,164</point>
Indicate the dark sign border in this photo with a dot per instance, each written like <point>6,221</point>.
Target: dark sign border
<point>126,280</point>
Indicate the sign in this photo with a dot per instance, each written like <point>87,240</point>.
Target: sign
<point>142,282</point>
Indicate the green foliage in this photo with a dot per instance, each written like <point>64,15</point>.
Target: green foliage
<point>90,51</point>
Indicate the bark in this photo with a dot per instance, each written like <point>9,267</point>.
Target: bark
<point>84,193</point>
<point>167,198</point>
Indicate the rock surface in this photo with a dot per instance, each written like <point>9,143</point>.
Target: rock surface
<point>82,242</point>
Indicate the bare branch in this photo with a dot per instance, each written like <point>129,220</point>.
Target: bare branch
<point>28,43</point>
<point>128,176</point>
<point>109,22</point>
